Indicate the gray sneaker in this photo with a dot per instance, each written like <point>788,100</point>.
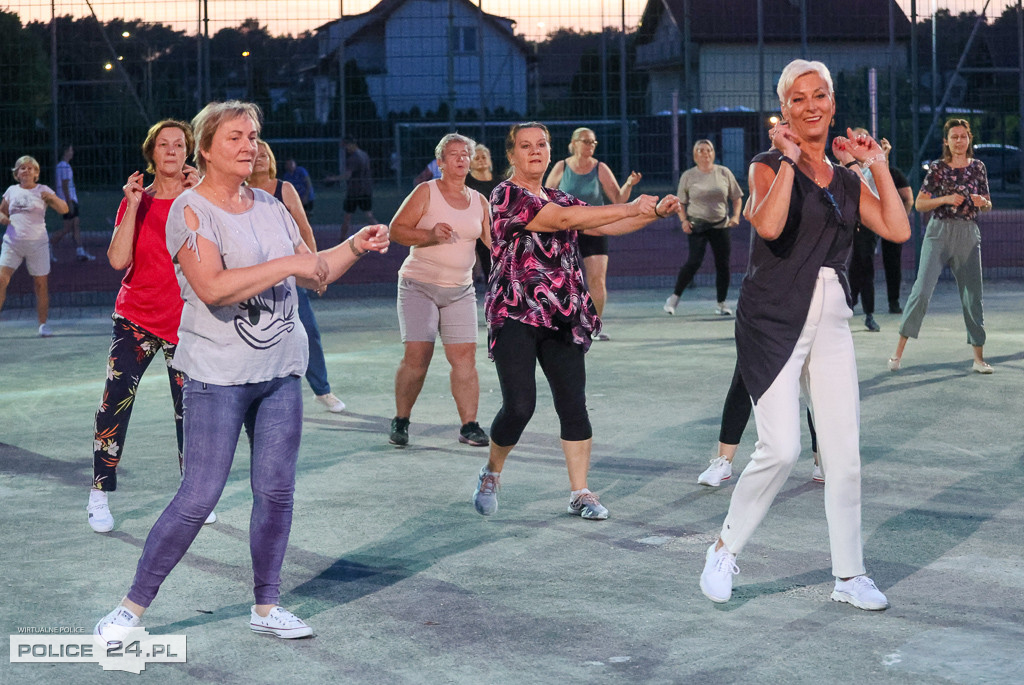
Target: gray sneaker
<point>485,499</point>
<point>586,506</point>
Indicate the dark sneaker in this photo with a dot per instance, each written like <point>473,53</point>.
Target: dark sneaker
<point>485,499</point>
<point>586,506</point>
<point>473,434</point>
<point>895,308</point>
<point>871,324</point>
<point>399,431</point>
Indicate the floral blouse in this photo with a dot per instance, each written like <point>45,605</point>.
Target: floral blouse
<point>942,179</point>
<point>535,277</point>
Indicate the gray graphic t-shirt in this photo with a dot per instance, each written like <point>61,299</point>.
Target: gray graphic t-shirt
<point>253,341</point>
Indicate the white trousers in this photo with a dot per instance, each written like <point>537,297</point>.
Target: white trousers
<point>823,367</point>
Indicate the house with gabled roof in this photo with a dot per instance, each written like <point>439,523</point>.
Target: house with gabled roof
<point>423,54</point>
<point>724,54</point>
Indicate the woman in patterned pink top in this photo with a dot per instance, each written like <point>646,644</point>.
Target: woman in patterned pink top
<point>538,308</point>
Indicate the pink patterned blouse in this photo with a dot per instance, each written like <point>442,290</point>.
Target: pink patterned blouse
<point>535,277</point>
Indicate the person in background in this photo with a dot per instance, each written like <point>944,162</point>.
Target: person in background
<point>583,177</point>
<point>481,179</point>
<point>148,306</point>
<point>955,190</point>
<point>264,177</point>
<point>430,172</point>
<point>23,212</point>
<point>892,253</point>
<point>67,192</point>
<point>440,221</point>
<point>303,184</point>
<point>710,200</point>
<point>358,185</point>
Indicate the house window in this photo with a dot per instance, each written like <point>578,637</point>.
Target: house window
<point>462,39</point>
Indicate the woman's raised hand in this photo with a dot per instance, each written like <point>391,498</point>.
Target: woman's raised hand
<point>133,189</point>
<point>189,177</point>
<point>785,141</point>
<point>840,149</point>
<point>634,178</point>
<point>862,147</point>
<point>668,205</point>
<point>645,205</point>
<point>377,238</point>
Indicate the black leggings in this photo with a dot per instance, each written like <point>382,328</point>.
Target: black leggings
<point>720,249</point>
<point>736,414</point>
<point>516,351</point>
<point>862,268</point>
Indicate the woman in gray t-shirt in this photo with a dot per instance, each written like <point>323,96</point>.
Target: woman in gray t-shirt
<point>238,256</point>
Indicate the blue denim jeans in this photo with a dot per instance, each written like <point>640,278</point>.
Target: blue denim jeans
<point>271,413</point>
<point>316,372</point>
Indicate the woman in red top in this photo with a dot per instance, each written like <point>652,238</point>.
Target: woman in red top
<point>148,307</point>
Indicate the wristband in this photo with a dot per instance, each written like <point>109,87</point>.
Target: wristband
<point>352,245</point>
<point>788,161</point>
<point>659,215</point>
<point>851,164</point>
<point>871,160</point>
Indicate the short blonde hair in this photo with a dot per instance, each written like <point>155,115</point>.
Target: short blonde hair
<point>450,138</point>
<point>209,119</point>
<point>272,165</point>
<point>576,136</point>
<point>149,145</point>
<point>25,159</point>
<point>798,68</point>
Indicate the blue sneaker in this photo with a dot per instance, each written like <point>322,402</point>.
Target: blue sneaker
<point>485,499</point>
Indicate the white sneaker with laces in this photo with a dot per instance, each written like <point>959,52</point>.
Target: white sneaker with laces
<point>719,568</point>
<point>332,403</point>
<point>722,310</point>
<point>817,475</point>
<point>671,303</point>
<point>279,622</point>
<point>718,470</point>
<point>44,331</point>
<point>100,518</point>
<point>860,591</point>
<point>114,626</point>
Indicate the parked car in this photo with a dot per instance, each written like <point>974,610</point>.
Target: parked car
<point>1002,162</point>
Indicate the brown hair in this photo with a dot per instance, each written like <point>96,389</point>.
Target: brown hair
<point>205,124</point>
<point>947,155</point>
<point>510,139</point>
<point>149,145</point>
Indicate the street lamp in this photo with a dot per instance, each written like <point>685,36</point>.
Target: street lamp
<point>248,74</point>
<point>149,57</point>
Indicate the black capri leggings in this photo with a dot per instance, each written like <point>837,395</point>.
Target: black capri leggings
<point>516,351</point>
<point>736,414</point>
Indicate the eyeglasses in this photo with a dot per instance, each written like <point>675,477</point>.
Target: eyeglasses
<point>830,200</point>
<point>585,141</point>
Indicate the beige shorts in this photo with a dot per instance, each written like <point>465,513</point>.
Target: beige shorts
<point>425,309</point>
<point>35,254</point>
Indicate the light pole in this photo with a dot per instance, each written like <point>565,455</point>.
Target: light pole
<point>148,57</point>
<point>248,74</point>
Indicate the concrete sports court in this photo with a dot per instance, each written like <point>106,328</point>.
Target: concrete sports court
<point>404,583</point>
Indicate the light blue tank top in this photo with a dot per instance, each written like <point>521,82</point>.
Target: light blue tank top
<point>586,187</point>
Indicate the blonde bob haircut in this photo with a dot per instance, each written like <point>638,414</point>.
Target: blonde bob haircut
<point>25,159</point>
<point>577,134</point>
<point>798,68</point>
<point>149,145</point>
<point>271,159</point>
<point>209,119</point>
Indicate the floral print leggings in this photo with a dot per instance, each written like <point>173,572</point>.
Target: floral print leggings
<point>132,348</point>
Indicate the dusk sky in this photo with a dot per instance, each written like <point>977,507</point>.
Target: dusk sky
<point>535,17</point>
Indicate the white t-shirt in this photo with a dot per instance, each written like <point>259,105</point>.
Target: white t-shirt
<point>64,173</point>
<point>27,210</point>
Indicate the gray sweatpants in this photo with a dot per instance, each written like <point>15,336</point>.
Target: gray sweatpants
<point>956,243</point>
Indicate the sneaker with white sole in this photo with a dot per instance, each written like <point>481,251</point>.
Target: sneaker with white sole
<point>671,303</point>
<point>718,470</point>
<point>723,310</point>
<point>716,579</point>
<point>817,475</point>
<point>100,518</point>
<point>212,518</point>
<point>44,331</point>
<point>84,256</point>
<point>485,498</point>
<point>331,402</point>
<point>585,505</point>
<point>860,591</point>
<point>279,622</point>
<point>472,434</point>
<point>894,363</point>
<point>113,627</point>
<point>981,367</point>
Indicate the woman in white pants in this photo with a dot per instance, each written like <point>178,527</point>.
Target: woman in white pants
<point>792,331</point>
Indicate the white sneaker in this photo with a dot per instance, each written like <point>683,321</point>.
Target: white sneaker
<point>671,303</point>
<point>44,331</point>
<point>817,475</point>
<point>719,568</point>
<point>84,256</point>
<point>279,622</point>
<point>894,363</point>
<point>114,626</point>
<point>981,367</point>
<point>720,469</point>
<point>100,518</point>
<point>332,403</point>
<point>212,518</point>
<point>861,592</point>
<point>722,310</point>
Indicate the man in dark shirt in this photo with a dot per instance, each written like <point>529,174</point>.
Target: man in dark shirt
<point>299,178</point>
<point>359,185</point>
<point>892,253</point>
